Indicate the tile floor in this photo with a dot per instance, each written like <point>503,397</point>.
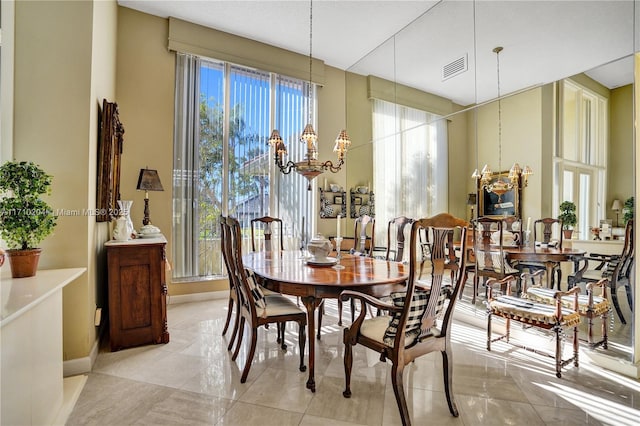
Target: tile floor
<point>192,380</point>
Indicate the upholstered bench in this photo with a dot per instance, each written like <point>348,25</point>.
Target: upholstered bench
<point>589,306</point>
<point>534,314</point>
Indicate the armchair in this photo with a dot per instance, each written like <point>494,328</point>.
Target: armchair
<point>411,330</point>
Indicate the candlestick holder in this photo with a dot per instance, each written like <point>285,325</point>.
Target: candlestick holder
<point>338,241</point>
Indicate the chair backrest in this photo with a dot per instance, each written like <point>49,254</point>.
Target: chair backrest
<point>546,227</point>
<point>441,239</point>
<point>396,237</point>
<point>234,248</point>
<point>489,252</point>
<point>513,224</point>
<point>266,223</point>
<point>628,251</point>
<point>363,230</point>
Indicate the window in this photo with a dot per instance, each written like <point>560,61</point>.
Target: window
<point>224,115</point>
<point>581,154</point>
<point>410,163</point>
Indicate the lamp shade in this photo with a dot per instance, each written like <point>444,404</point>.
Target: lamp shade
<point>616,205</point>
<point>149,181</point>
<point>471,199</point>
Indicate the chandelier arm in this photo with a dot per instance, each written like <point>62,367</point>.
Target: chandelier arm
<point>328,165</point>
<point>284,168</point>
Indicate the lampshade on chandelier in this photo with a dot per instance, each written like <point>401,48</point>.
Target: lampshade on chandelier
<point>517,176</point>
<point>310,167</point>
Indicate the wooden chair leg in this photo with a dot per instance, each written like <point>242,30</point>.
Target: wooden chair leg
<point>339,312</point>
<point>229,313</point>
<point>234,333</point>
<point>476,282</point>
<point>616,303</point>
<point>281,328</point>
<point>398,390</point>
<point>489,332</point>
<point>605,335</point>
<point>627,288</point>
<point>252,351</point>
<point>239,342</point>
<point>589,327</point>
<point>302,338</point>
<point>348,363</point>
<point>558,356</point>
<point>447,372</point>
<point>576,348</point>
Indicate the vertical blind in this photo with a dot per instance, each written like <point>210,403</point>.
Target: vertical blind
<point>410,163</point>
<point>223,115</point>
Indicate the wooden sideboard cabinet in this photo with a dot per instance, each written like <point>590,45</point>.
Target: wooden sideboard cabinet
<point>137,292</point>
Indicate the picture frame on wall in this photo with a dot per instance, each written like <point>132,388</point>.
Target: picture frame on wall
<point>110,144</point>
<point>494,205</point>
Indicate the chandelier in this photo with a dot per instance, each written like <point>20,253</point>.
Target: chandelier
<point>310,167</point>
<point>517,176</point>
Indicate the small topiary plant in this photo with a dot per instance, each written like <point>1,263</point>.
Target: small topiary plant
<point>568,215</point>
<point>25,219</point>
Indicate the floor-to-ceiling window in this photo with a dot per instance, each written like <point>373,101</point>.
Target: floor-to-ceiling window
<point>410,163</point>
<point>224,114</point>
<point>581,154</point>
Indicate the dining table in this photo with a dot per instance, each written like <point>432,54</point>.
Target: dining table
<point>291,273</point>
<point>549,256</point>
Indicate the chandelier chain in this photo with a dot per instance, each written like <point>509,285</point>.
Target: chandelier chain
<point>310,58</point>
<point>498,50</point>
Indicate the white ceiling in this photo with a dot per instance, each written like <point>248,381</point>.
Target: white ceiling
<point>410,41</point>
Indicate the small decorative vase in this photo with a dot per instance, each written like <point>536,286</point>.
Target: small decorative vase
<point>124,226</point>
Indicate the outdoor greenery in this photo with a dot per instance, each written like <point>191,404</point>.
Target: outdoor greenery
<point>568,215</point>
<point>628,209</point>
<point>25,219</point>
<point>241,185</point>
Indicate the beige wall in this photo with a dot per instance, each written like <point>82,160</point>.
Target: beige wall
<point>522,142</point>
<point>621,160</point>
<point>56,110</point>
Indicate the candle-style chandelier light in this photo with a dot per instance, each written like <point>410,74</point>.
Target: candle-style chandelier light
<point>517,176</point>
<point>310,167</point>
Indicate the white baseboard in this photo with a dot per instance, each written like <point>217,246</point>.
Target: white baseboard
<point>197,297</point>
<point>84,365</point>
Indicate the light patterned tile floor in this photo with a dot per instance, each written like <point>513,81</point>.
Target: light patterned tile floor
<point>192,380</point>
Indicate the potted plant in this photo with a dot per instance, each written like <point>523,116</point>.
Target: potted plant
<point>25,219</point>
<point>568,218</point>
<point>628,209</point>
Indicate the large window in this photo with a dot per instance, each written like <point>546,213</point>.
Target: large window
<point>581,154</point>
<point>410,163</point>
<point>224,114</point>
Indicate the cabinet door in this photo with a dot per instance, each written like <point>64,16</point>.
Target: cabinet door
<point>137,311</point>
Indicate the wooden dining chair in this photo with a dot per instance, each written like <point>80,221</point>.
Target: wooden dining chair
<point>543,231</point>
<point>364,229</point>
<point>419,320</point>
<point>266,223</point>
<point>618,269</point>
<point>490,257</point>
<point>397,230</point>
<point>256,309</point>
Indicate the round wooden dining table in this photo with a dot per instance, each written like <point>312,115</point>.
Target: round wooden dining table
<point>550,256</point>
<point>287,272</point>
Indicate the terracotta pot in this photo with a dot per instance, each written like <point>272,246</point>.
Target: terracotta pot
<point>567,233</point>
<point>24,263</point>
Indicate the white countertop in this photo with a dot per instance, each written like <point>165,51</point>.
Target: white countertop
<point>18,295</point>
<point>137,241</point>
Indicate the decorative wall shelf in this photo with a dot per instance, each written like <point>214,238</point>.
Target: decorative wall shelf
<point>332,204</point>
<point>361,203</point>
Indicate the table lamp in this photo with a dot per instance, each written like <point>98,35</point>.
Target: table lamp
<point>471,201</point>
<point>148,181</point>
<point>616,207</point>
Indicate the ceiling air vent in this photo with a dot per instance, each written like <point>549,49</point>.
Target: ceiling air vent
<point>455,67</point>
